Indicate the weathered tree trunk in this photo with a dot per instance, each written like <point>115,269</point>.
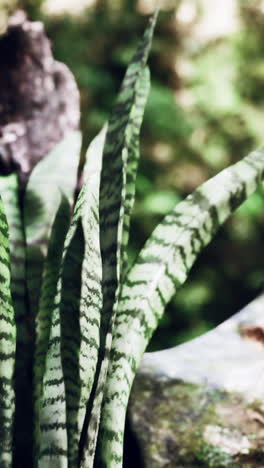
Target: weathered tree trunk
<point>39,99</point>
<point>201,404</point>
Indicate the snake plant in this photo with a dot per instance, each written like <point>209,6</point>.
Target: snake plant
<point>74,319</point>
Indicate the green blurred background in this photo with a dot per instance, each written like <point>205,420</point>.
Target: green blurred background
<point>205,111</point>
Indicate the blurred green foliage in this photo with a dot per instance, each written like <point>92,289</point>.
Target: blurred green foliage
<point>205,111</point>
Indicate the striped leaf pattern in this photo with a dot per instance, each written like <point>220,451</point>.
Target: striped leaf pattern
<point>74,337</point>
<point>84,316</point>
<point>52,176</point>
<point>142,87</point>
<point>117,189</point>
<point>7,347</point>
<point>48,200</point>
<point>51,271</point>
<point>52,412</point>
<point>9,190</point>
<point>161,267</point>
<point>91,319</point>
<point>50,409</point>
<point>53,417</point>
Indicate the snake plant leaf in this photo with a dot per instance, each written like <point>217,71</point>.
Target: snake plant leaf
<point>49,194</point>
<point>75,329</point>
<point>81,305</point>
<point>119,168</point>
<point>142,87</point>
<point>53,175</point>
<point>52,445</point>
<point>7,347</point>
<point>51,418</point>
<point>52,438</point>
<point>51,271</point>
<point>162,266</point>
<point>9,189</point>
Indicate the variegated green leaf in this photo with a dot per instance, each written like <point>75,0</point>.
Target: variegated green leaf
<point>7,348</point>
<point>9,190</point>
<point>142,87</point>
<point>116,200</point>
<point>53,447</point>
<point>75,328</point>
<point>51,271</point>
<point>85,306</point>
<point>50,410</point>
<point>161,267</point>
<point>54,175</point>
<point>48,198</point>
<point>53,444</point>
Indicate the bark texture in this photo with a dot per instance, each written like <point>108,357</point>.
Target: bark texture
<point>39,99</point>
<point>201,404</point>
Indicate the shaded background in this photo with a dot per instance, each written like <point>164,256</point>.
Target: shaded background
<point>205,111</point>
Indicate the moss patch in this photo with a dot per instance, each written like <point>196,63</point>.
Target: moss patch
<point>182,425</point>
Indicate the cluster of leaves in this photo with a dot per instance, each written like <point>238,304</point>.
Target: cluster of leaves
<point>72,313</point>
<point>215,118</point>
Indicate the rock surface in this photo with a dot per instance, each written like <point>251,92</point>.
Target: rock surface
<point>201,404</point>
<point>39,99</point>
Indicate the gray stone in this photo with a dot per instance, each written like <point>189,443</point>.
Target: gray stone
<point>39,98</point>
<point>200,404</point>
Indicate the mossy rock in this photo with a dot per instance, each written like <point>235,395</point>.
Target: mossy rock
<point>200,404</point>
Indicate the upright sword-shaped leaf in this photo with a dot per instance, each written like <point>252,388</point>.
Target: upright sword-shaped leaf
<point>7,348</point>
<point>161,267</point>
<point>51,431</point>
<point>47,304</point>
<point>54,175</point>
<point>81,311</point>
<point>10,191</point>
<point>116,200</point>
<point>49,194</point>
<point>74,333</point>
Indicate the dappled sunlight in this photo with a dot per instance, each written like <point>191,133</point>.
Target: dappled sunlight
<point>74,7</point>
